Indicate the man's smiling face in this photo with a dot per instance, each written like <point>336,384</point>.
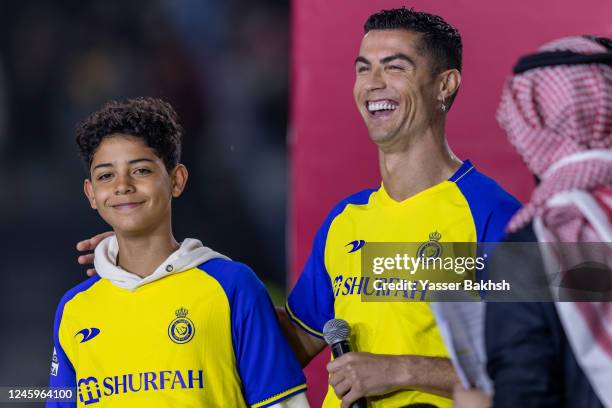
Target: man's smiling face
<point>394,90</point>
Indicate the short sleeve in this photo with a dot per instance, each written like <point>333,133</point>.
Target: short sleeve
<point>495,227</point>
<point>311,302</point>
<point>269,371</point>
<point>62,371</point>
<point>492,207</point>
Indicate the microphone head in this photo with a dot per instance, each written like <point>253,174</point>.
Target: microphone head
<point>336,330</point>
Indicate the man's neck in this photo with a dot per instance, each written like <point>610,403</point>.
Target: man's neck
<point>143,255</point>
<point>416,167</point>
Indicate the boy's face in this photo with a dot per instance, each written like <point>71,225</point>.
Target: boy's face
<point>130,186</point>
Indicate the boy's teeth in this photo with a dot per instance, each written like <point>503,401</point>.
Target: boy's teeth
<point>378,106</point>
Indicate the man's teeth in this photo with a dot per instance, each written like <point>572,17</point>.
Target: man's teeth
<point>378,106</point>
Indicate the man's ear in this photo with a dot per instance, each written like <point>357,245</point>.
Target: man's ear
<point>88,189</point>
<point>179,178</point>
<point>449,84</point>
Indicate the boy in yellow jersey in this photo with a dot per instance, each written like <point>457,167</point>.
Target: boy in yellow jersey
<point>407,73</point>
<point>165,324</point>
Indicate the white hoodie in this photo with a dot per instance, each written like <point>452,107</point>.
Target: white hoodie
<point>190,254</point>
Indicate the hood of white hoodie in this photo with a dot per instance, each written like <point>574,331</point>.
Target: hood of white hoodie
<point>191,253</point>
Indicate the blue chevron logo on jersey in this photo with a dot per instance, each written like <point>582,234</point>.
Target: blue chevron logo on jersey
<point>357,245</point>
<point>88,334</point>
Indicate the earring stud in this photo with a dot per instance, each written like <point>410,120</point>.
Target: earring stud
<point>443,106</point>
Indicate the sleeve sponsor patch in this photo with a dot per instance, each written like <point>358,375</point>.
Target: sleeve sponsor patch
<point>54,363</point>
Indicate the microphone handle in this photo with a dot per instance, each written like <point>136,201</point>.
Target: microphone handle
<point>338,349</point>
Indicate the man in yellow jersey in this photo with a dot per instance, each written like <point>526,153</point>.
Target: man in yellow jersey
<point>164,324</point>
<point>407,75</point>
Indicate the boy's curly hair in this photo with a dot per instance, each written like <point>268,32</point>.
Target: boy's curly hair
<point>151,119</point>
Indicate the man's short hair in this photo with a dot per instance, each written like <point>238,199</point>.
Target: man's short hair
<point>440,41</point>
<point>150,119</point>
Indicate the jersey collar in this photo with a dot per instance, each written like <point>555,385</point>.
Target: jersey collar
<point>463,170</point>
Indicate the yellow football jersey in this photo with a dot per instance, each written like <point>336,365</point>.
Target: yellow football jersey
<point>469,207</point>
<point>204,337</point>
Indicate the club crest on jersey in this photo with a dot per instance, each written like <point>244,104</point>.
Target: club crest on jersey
<point>431,248</point>
<point>181,329</point>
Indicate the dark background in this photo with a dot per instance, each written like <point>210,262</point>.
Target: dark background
<point>223,65</point>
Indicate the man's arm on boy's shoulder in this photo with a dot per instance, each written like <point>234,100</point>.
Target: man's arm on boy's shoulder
<point>90,245</point>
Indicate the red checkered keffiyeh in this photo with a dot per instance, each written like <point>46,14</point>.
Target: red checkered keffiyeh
<point>552,113</point>
<point>559,118</point>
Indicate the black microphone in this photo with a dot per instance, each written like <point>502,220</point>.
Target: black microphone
<point>336,333</point>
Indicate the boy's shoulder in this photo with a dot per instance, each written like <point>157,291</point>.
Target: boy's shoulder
<point>236,278</point>
<point>76,290</point>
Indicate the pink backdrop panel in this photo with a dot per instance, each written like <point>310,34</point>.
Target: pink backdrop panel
<point>331,155</point>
